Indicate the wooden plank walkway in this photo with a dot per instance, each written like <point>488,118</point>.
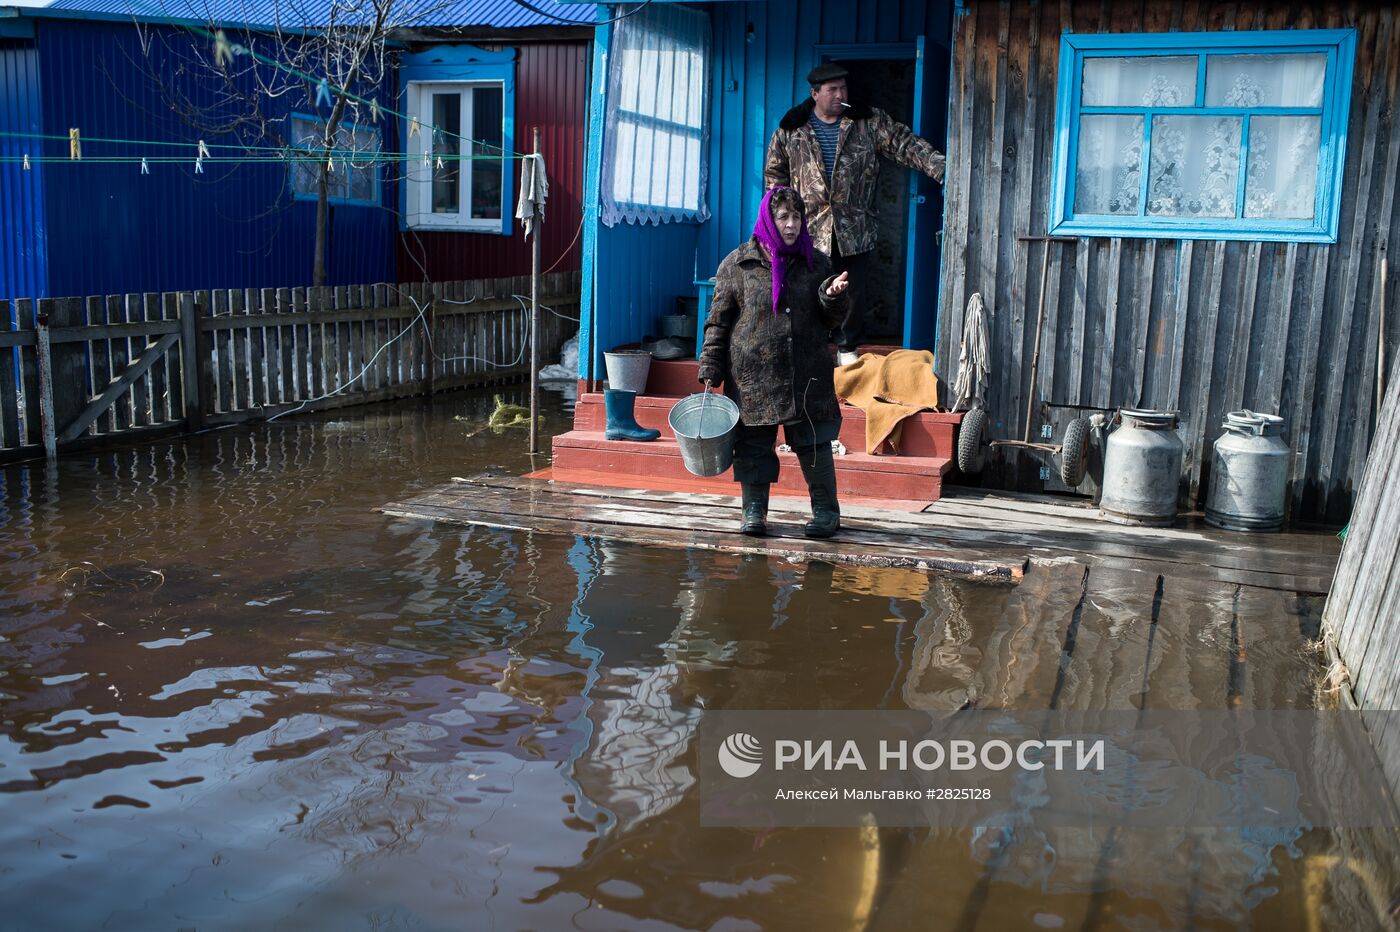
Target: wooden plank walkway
<point>968,532</point>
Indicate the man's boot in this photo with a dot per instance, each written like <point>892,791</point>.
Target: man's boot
<point>819,469</point>
<point>622,423</point>
<point>755,509</point>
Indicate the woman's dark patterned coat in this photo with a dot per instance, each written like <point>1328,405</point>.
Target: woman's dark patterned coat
<point>776,366</point>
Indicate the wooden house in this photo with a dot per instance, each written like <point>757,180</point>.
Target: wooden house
<point>1219,180</point>
<point>143,87</point>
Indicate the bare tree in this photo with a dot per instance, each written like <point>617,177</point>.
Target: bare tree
<point>244,83</point>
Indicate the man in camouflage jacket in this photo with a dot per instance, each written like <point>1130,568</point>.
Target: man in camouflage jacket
<point>840,199</point>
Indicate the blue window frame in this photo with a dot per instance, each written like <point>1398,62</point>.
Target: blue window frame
<point>1221,135</point>
<point>459,139</point>
<point>354,175</point>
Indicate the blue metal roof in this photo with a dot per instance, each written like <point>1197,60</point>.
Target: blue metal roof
<point>308,14</point>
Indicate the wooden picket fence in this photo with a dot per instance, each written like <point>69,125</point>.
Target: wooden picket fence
<point>75,372</point>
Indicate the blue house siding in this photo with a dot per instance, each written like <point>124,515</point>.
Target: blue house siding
<point>22,265</point>
<point>113,229</point>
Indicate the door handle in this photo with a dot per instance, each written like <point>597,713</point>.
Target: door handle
<point>919,199</point>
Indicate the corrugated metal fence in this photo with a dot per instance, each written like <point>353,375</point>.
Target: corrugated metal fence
<point>1200,327</point>
<point>76,370</point>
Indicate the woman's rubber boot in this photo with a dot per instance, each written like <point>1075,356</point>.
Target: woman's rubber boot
<point>622,422</point>
<point>819,469</point>
<point>755,509</point>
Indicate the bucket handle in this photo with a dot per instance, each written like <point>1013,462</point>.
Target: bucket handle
<point>703,403</point>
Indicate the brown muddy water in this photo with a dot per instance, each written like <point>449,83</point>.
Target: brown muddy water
<point>232,696</point>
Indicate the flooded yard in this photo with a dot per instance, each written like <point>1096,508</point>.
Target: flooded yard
<point>232,695</point>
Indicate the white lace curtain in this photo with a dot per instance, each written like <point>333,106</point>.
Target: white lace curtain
<point>1195,160</point>
<point>655,163</point>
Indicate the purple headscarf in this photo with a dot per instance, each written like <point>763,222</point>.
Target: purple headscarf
<point>765,230</point>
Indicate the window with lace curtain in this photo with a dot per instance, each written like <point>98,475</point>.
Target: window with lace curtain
<point>654,158</point>
<point>1228,135</point>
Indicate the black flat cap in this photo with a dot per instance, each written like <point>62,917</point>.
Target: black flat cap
<point>824,73</point>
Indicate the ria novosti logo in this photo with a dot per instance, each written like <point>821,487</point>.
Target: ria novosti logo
<point>740,755</point>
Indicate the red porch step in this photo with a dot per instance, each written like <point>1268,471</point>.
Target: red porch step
<point>926,434</point>
<point>926,451</point>
<point>858,475</point>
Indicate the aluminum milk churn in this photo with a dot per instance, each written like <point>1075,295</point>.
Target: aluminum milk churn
<point>1249,474</point>
<point>1142,468</point>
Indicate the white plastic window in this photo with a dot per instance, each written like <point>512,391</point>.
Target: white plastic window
<point>456,170</point>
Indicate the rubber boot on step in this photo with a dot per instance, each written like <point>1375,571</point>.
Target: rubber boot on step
<point>819,469</point>
<point>622,422</point>
<point>755,509</point>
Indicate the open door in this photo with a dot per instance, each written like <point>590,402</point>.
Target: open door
<point>924,242</point>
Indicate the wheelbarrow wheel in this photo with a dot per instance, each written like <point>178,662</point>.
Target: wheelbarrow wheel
<point>972,446</point>
<point>1074,453</point>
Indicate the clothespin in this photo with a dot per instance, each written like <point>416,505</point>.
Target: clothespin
<point>323,93</point>
<point>374,111</point>
<point>223,51</point>
<point>26,161</point>
<point>203,150</point>
<point>427,159</point>
<point>145,168</point>
<point>414,128</point>
<point>439,162</point>
<point>330,164</point>
<point>75,146</point>
<point>199,166</point>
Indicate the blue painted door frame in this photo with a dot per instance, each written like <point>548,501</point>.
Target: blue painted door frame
<point>925,218</point>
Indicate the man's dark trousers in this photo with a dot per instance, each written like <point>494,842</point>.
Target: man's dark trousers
<point>850,331</point>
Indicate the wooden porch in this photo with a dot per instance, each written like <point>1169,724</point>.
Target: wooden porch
<point>969,532</point>
<point>914,472</point>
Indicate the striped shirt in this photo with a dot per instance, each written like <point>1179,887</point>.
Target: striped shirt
<point>827,134</point>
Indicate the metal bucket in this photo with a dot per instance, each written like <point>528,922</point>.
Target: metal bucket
<point>627,370</point>
<point>1249,474</point>
<point>1142,469</point>
<point>678,325</point>
<point>706,426</point>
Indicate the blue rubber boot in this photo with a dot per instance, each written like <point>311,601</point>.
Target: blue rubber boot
<point>622,422</point>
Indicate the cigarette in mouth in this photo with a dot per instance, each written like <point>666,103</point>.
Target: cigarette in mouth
<point>846,105</point>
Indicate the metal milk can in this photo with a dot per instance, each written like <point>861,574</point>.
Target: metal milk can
<point>1142,469</point>
<point>1249,474</point>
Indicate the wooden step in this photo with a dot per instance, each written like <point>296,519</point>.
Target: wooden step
<point>928,433</point>
<point>857,474</point>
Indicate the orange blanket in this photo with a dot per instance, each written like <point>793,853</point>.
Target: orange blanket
<point>888,389</point>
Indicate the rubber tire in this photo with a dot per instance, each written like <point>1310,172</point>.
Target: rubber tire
<point>1074,453</point>
<point>972,448</point>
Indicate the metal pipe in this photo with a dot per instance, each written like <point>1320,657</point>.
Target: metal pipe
<point>1039,321</point>
<point>535,314</point>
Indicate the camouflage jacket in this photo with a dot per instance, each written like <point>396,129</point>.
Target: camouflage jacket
<point>776,365</point>
<point>847,201</point>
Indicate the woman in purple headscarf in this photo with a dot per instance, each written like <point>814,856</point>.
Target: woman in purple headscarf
<point>766,340</point>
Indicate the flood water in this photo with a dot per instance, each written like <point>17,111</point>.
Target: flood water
<point>233,696</point>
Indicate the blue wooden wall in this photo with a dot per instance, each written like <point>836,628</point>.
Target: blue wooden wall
<point>760,57</point>
<point>22,266</point>
<point>113,230</point>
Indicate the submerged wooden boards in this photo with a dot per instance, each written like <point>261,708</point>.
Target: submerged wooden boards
<point>971,533</point>
<point>693,520</point>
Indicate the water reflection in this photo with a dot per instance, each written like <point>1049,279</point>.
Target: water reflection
<point>233,695</point>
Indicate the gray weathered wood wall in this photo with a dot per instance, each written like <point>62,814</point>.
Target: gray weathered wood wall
<point>1362,617</point>
<point>1203,327</point>
<point>81,372</point>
